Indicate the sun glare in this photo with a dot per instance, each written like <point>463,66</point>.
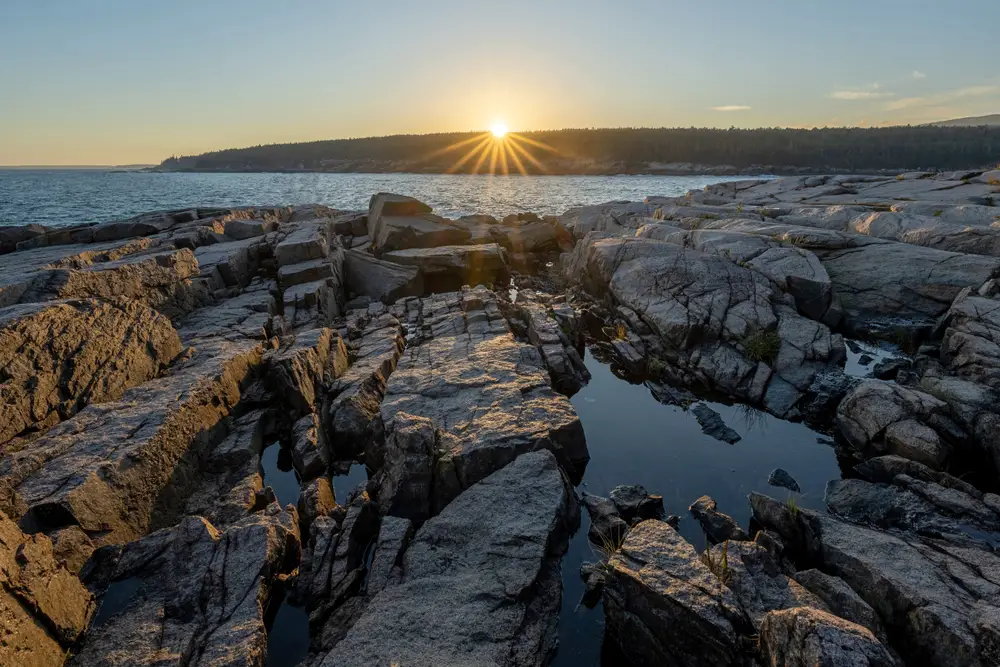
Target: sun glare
<point>499,130</point>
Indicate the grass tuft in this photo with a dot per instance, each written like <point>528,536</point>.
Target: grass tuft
<point>762,346</point>
<point>718,566</point>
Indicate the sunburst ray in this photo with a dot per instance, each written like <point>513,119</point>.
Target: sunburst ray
<point>517,148</point>
<point>481,147</point>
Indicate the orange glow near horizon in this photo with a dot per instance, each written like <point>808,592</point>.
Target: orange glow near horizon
<point>506,151</point>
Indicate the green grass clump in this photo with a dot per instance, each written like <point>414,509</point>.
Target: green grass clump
<point>762,346</point>
<point>655,367</point>
<point>718,566</point>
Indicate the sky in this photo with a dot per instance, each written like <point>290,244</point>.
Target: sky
<point>136,81</point>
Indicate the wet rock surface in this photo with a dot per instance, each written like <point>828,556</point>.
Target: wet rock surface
<point>145,365</point>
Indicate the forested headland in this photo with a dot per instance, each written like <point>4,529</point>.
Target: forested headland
<point>625,150</point>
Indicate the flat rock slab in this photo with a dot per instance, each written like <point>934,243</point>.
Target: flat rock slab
<point>118,468</point>
<point>512,525</point>
<point>464,402</point>
<point>101,349</point>
<point>199,596</point>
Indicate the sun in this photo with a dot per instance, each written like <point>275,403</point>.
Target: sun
<point>499,130</point>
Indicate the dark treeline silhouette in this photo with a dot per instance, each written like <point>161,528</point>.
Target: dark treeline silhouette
<point>633,150</point>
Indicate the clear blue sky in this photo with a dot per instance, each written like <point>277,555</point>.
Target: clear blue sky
<point>126,81</point>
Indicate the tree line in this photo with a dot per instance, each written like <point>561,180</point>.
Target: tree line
<point>634,149</point>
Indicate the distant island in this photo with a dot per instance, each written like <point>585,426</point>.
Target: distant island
<point>949,145</point>
<point>992,120</point>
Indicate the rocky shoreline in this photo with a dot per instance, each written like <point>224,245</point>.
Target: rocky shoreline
<point>146,364</point>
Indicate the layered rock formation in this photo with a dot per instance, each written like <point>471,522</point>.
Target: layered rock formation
<point>148,365</point>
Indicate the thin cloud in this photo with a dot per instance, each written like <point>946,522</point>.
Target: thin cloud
<point>732,107</point>
<point>942,99</point>
<point>860,94</point>
<point>917,74</point>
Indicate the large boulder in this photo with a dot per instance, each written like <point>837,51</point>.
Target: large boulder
<point>57,357</point>
<point>452,266</point>
<point>722,325</point>
<point>514,525</point>
<point>384,281</point>
<point>385,203</point>
<point>664,606</point>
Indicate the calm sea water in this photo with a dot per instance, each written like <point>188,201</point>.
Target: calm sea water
<point>64,197</point>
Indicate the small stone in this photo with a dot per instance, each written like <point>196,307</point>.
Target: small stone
<point>712,424</point>
<point>779,477</point>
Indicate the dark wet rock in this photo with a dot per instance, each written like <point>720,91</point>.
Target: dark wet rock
<point>332,572</point>
<point>712,424</point>
<point>888,369</point>
<point>760,586</point>
<point>827,390</point>
<point>316,499</point>
<point>840,599</point>
<point>355,397</point>
<point>718,527</point>
<point>43,606</point>
<point>515,524</point>
<point>463,355</point>
<point>198,589</point>
<point>664,606</point>
<point>148,448</point>
<point>632,502</point>
<point>886,468</point>
<point>383,281</point>
<point>451,266</point>
<point>866,360</point>
<point>607,527</point>
<point>779,477</point>
<point>102,349</point>
<point>393,538</point>
<point>594,576</point>
<point>805,637</point>
<point>932,594</point>
<point>297,372</point>
<point>916,506</point>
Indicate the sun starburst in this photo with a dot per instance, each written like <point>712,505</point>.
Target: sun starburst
<point>505,151</point>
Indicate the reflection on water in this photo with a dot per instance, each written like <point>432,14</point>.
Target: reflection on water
<point>288,637</point>
<point>633,439</point>
<point>343,484</point>
<point>62,197</point>
<point>279,474</point>
<point>116,599</point>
